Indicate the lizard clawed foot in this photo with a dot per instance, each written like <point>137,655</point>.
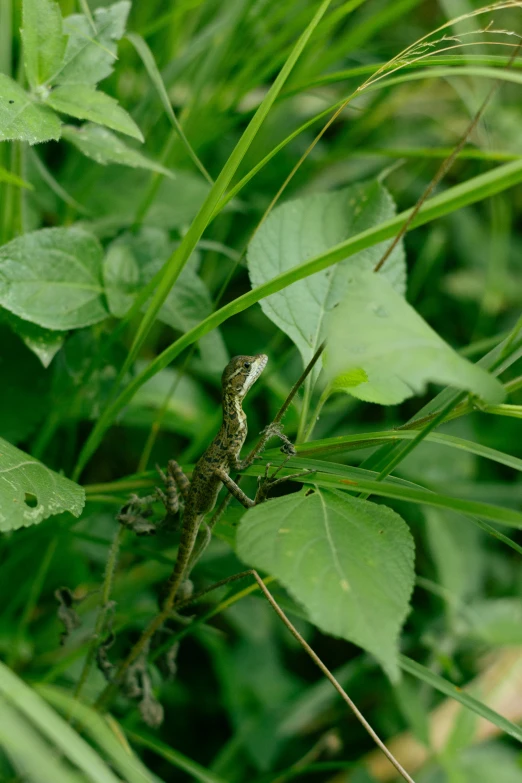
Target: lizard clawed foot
<point>275,430</point>
<point>134,515</point>
<point>265,483</point>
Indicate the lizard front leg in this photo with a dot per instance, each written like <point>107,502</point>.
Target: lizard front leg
<point>274,430</point>
<point>233,488</point>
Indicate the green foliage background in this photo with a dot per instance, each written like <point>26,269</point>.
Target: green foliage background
<point>165,204</point>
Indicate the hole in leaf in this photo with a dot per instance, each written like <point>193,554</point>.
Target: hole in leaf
<point>30,500</point>
<point>309,492</point>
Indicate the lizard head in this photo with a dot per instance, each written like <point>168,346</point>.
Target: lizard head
<point>241,373</point>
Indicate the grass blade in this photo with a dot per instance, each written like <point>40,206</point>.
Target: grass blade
<point>453,691</point>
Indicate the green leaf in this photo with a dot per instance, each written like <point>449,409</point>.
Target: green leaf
<point>486,764</point>
<point>43,40</point>
<point>348,561</point>
<point>376,330</point>
<point>104,147</point>
<point>149,62</point>
<point>132,261</point>
<point>44,343</point>
<point>414,708</point>
<point>23,120</point>
<point>177,759</point>
<point>307,227</point>
<point>55,728</point>
<point>95,725</point>
<point>184,411</point>
<point>52,278</point>
<point>90,54</point>
<point>13,179</point>
<point>86,103</point>
<point>497,622</point>
<point>457,553</point>
<point>41,764</point>
<point>113,201</point>
<point>31,492</point>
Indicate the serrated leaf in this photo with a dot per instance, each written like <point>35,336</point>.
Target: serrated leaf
<point>90,54</point>
<point>300,229</point>
<point>375,330</point>
<point>105,147</point>
<point>43,40</point>
<point>348,561</point>
<point>86,103</point>
<point>23,120</point>
<point>52,278</point>
<point>31,492</point>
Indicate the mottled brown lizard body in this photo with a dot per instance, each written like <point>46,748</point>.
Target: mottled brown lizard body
<point>222,456</point>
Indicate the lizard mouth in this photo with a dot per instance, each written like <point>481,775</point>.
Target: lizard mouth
<point>258,365</point>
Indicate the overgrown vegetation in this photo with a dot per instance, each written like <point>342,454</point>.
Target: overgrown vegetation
<point>188,181</point>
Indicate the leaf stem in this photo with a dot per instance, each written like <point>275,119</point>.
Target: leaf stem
<point>328,674</point>
<point>110,569</point>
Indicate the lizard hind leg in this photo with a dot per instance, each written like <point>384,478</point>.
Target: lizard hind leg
<point>169,497</point>
<point>175,472</point>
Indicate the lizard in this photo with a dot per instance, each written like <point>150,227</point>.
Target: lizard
<point>222,457</point>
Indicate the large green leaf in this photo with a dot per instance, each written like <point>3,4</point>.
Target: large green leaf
<point>304,228</point>
<point>90,55</point>
<point>31,492</point>
<point>105,147</point>
<point>52,278</point>
<point>23,120</point>
<point>43,40</point>
<point>374,330</point>
<point>348,561</point>
<point>86,103</point>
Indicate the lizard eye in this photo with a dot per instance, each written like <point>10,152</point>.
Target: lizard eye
<point>247,365</point>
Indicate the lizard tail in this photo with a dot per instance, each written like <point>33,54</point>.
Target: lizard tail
<point>189,534</point>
